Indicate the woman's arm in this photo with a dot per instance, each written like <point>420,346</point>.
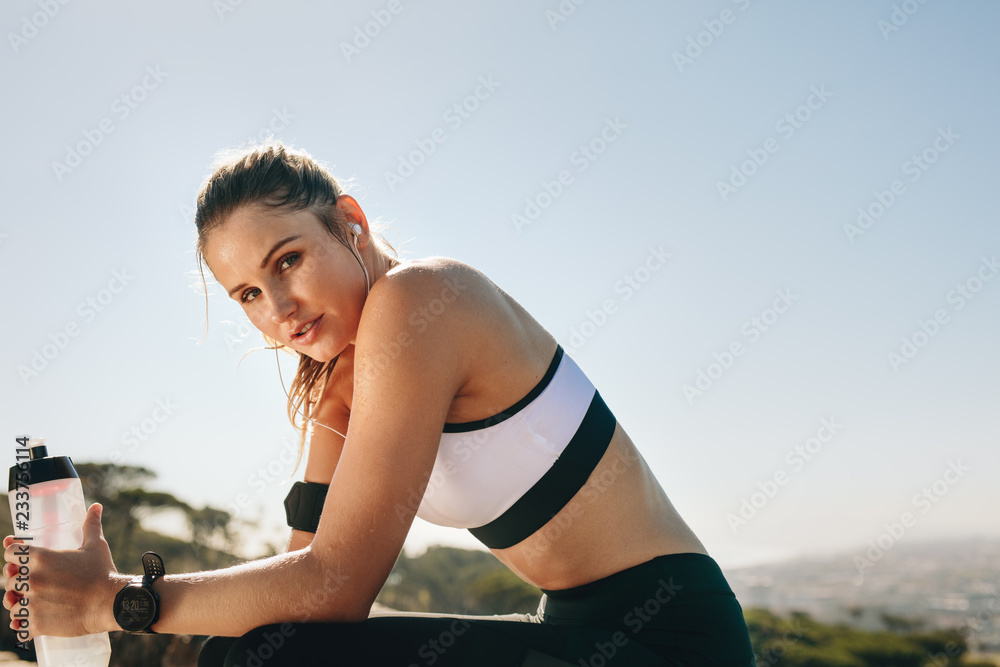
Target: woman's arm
<point>299,539</point>
<point>399,408</point>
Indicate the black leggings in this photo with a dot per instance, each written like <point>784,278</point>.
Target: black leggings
<point>673,610</point>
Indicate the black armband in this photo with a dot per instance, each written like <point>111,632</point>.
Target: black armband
<point>304,504</point>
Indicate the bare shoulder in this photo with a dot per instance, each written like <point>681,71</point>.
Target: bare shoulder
<point>430,290</point>
<point>426,275</point>
<point>497,349</point>
<point>421,308</point>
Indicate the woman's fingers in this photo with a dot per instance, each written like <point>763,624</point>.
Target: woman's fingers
<point>10,598</point>
<point>15,551</point>
<point>15,555</point>
<point>12,539</point>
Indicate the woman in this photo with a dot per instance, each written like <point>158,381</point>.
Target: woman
<point>436,395</point>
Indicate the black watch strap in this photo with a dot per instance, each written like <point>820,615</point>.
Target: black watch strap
<point>304,504</point>
<point>152,567</point>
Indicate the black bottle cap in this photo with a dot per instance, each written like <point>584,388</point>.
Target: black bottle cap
<point>40,467</point>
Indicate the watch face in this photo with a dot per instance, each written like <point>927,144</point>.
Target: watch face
<point>134,607</point>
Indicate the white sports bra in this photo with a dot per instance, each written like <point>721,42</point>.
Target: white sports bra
<point>507,473</point>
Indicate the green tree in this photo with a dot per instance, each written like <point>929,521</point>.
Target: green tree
<point>501,591</point>
<point>461,581</point>
<point>800,641</point>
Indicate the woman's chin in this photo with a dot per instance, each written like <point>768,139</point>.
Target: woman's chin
<point>319,355</point>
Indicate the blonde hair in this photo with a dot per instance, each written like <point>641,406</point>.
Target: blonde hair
<point>274,175</point>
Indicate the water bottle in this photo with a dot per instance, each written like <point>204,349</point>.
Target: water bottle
<point>52,516</point>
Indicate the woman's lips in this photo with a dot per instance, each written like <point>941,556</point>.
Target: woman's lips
<point>310,335</point>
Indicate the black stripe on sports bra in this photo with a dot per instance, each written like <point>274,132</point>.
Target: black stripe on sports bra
<point>464,427</point>
<point>558,485</point>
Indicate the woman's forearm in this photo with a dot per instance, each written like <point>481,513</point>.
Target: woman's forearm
<point>293,587</point>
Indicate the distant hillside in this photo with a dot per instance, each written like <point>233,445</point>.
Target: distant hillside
<point>797,640</point>
<point>910,586</point>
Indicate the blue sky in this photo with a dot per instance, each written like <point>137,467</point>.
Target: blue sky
<point>561,154</point>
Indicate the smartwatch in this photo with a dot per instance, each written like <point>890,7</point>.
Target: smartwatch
<point>137,606</point>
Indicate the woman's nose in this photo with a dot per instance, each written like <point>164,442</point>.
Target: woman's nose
<point>282,307</point>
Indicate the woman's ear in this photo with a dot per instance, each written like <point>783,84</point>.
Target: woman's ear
<point>351,210</point>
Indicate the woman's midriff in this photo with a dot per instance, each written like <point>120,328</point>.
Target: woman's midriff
<point>621,517</point>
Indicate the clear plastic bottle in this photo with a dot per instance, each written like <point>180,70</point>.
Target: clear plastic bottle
<point>55,514</point>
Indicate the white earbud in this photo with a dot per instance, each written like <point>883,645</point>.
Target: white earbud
<point>356,231</point>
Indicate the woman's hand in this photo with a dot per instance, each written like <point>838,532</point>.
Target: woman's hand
<point>69,591</point>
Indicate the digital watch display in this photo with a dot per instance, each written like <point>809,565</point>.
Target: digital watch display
<point>137,606</point>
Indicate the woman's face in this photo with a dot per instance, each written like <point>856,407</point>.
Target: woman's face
<point>294,280</point>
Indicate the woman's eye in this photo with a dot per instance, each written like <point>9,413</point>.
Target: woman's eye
<point>288,260</point>
<point>283,263</point>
